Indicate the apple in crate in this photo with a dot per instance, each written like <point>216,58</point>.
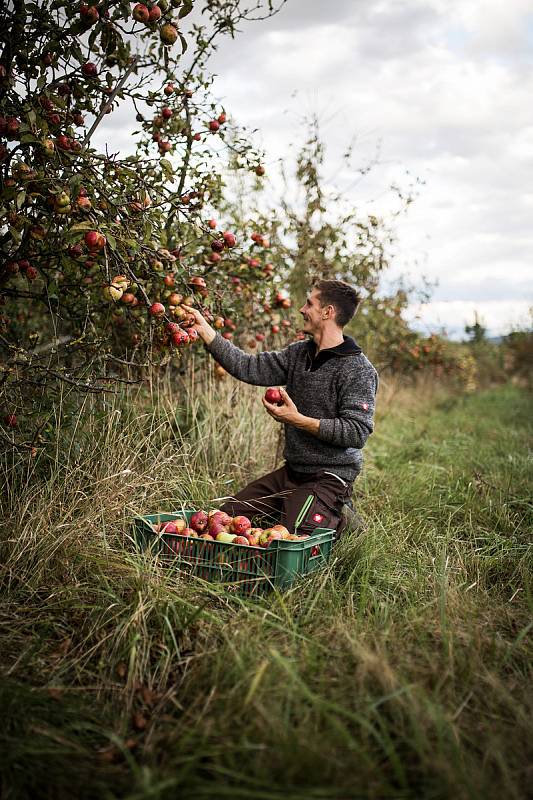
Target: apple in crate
<point>240,525</point>
<point>253,535</point>
<point>218,522</point>
<point>199,521</point>
<point>217,527</point>
<point>189,532</point>
<point>226,537</point>
<point>174,526</point>
<point>264,537</point>
<point>267,536</point>
<point>285,533</point>
<point>241,540</point>
<point>206,536</point>
<point>274,537</point>
<point>220,516</point>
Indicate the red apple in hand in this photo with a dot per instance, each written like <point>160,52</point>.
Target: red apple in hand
<point>274,396</point>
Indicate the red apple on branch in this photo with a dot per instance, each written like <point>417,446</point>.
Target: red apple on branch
<point>140,13</point>
<point>89,69</point>
<point>230,239</point>
<point>157,310</point>
<point>168,33</point>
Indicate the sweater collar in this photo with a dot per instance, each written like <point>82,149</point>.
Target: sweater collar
<point>347,348</point>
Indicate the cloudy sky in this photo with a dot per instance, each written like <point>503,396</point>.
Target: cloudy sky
<point>444,89</point>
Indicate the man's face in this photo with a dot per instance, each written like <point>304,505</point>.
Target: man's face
<point>312,313</point>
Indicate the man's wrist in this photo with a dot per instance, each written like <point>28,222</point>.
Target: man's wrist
<point>308,424</point>
<point>207,334</point>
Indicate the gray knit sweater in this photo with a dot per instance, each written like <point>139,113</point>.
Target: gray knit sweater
<point>338,387</point>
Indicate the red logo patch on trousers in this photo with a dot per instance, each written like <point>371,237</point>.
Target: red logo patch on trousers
<point>318,517</point>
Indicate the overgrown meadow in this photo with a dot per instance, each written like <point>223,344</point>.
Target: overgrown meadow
<point>402,669</point>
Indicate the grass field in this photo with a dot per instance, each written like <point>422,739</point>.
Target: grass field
<point>402,670</point>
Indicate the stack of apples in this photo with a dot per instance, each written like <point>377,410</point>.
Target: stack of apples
<point>217,526</point>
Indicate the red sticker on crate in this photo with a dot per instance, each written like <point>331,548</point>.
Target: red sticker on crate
<point>317,517</point>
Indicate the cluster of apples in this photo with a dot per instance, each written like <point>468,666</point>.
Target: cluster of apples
<point>217,526</point>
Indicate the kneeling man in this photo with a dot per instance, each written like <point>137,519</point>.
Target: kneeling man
<point>327,410</point>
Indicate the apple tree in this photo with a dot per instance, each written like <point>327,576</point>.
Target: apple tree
<point>314,232</point>
<point>99,247</point>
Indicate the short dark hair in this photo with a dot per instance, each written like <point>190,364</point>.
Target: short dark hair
<point>342,296</point>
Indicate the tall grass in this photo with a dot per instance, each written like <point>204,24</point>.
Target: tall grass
<point>403,669</point>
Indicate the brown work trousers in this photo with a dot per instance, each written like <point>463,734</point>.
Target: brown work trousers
<point>301,503</point>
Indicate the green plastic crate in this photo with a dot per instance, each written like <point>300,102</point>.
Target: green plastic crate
<point>244,569</point>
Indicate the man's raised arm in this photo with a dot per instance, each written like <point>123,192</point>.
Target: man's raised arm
<point>263,369</point>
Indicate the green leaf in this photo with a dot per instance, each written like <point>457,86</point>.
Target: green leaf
<point>112,242</point>
<point>184,43</point>
<point>166,166</point>
<point>81,226</point>
<point>185,9</point>
<point>21,196</point>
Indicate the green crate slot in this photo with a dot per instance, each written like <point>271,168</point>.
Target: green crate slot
<point>242,568</point>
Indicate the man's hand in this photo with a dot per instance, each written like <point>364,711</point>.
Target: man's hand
<point>205,331</point>
<point>289,414</point>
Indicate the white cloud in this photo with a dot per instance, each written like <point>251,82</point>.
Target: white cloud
<point>446,86</point>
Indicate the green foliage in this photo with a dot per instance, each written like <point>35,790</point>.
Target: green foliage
<point>476,331</point>
<point>518,347</point>
<point>75,310</point>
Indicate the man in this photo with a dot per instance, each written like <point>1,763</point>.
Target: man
<point>327,411</point>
